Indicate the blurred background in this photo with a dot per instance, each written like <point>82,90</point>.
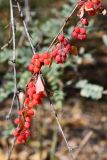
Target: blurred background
<point>79,87</point>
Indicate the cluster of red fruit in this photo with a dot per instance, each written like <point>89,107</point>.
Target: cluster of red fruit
<point>32,99</point>
<point>35,89</point>
<point>79,33</point>
<point>91,6</point>
<point>38,61</point>
<point>61,51</point>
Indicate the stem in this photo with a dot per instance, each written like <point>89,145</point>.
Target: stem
<point>15,73</point>
<point>25,27</point>
<point>56,116</point>
<point>64,24</point>
<point>14,56</point>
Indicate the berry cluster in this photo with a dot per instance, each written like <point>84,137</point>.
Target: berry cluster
<point>79,33</point>
<point>61,50</point>
<point>35,89</point>
<point>91,6</point>
<point>38,61</point>
<point>33,97</point>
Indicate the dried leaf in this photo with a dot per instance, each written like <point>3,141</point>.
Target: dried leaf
<point>39,85</point>
<point>74,50</point>
<point>81,12</point>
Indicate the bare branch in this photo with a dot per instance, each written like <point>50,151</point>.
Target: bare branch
<point>27,20</point>
<point>25,26</point>
<point>14,68</point>
<point>14,56</point>
<point>64,24</point>
<point>83,143</point>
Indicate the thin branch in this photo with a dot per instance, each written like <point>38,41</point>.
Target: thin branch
<point>25,26</point>
<point>27,20</point>
<point>64,24</point>
<point>14,68</point>
<point>83,143</point>
<point>27,11</point>
<point>7,44</point>
<point>14,56</point>
<point>11,149</point>
<point>56,116</point>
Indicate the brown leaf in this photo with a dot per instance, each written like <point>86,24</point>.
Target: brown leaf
<point>74,50</point>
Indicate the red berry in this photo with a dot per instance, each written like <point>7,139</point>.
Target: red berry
<point>30,112</point>
<point>41,59</point>
<point>89,5</point>
<point>28,119</point>
<point>59,46</point>
<point>17,121</point>
<point>47,61</point>
<point>27,133</point>
<point>84,21</point>
<point>58,59</point>
<point>27,125</point>
<point>26,101</point>
<point>20,138</point>
<point>68,47</point>
<point>36,69</point>
<point>82,30</point>
<point>31,67</point>
<point>84,37</point>
<point>65,42</point>
<point>31,105</point>
<point>77,29</point>
<point>54,53</point>
<point>20,112</point>
<point>33,60</point>
<point>59,51</point>
<point>60,38</point>
<point>31,84</point>
<point>36,56</point>
<point>92,13</point>
<point>37,64</point>
<point>46,55</point>
<point>75,34</point>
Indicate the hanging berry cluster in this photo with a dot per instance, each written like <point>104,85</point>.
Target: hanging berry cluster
<point>33,96</point>
<point>35,90</point>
